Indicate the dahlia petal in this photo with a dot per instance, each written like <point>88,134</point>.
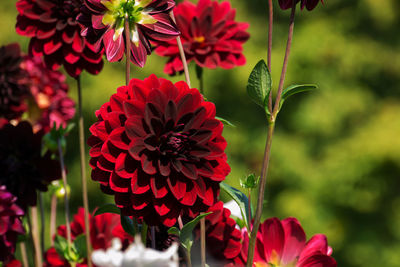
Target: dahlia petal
<point>119,184</point>
<point>114,49</point>
<point>133,107</point>
<point>318,260</point>
<point>117,140</point>
<point>161,208</point>
<point>78,44</point>
<point>295,239</point>
<point>147,165</point>
<point>190,196</point>
<point>138,185</point>
<point>164,167</point>
<point>44,33</point>
<point>125,166</point>
<point>24,27</point>
<point>158,97</point>
<point>210,197</point>
<point>163,29</point>
<point>201,136</point>
<point>205,169</point>
<point>189,170</point>
<point>70,56</point>
<point>69,34</point>
<point>135,148</point>
<point>138,54</point>
<point>50,47</point>
<point>317,243</point>
<point>177,187</point>
<point>134,127</point>
<point>158,188</point>
<point>272,229</point>
<point>171,111</point>
<point>101,176</point>
<point>160,6</point>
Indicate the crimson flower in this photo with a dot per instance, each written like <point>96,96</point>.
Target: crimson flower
<point>210,36</point>
<point>283,243</point>
<point>104,22</point>
<point>55,35</point>
<point>222,235</point>
<point>49,90</point>
<point>24,170</point>
<point>158,148</point>
<point>309,4</point>
<point>103,228</point>
<point>10,225</point>
<point>13,83</point>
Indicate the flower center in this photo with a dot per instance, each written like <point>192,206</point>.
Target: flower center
<point>174,144</point>
<point>118,11</point>
<point>199,39</point>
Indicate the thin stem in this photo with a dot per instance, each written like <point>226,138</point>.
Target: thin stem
<point>180,223</point>
<point>249,193</point>
<point>203,241</point>
<point>24,256</point>
<point>188,258</point>
<point>66,201</point>
<point>285,61</point>
<point>35,236</point>
<point>128,52</point>
<point>83,172</point>
<point>53,218</point>
<point>42,220</point>
<point>267,153</point>
<point>270,27</point>
<point>182,53</point>
<point>153,237</point>
<point>199,74</point>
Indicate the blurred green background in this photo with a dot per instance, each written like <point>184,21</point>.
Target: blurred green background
<point>336,152</point>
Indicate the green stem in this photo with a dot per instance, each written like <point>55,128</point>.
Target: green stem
<point>199,74</point>
<point>267,153</point>
<point>42,220</point>
<point>35,236</point>
<point>203,241</point>
<point>270,27</point>
<point>83,172</point>
<point>128,52</point>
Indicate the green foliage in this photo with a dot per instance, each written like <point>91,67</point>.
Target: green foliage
<point>108,208</point>
<point>241,199</point>
<point>259,85</point>
<point>250,182</point>
<point>75,252</point>
<point>295,89</point>
<point>128,225</point>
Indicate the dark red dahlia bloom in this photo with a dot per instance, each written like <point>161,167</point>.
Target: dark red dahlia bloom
<point>55,35</point>
<point>23,169</point>
<point>49,90</point>
<point>210,36</point>
<point>309,4</point>
<point>13,82</point>
<point>103,228</point>
<point>104,22</point>
<point>10,225</point>
<point>223,239</point>
<point>283,243</point>
<point>158,148</point>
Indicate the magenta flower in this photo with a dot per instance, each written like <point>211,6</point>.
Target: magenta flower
<point>10,225</point>
<point>283,243</point>
<point>104,22</point>
<point>49,90</point>
<point>309,4</point>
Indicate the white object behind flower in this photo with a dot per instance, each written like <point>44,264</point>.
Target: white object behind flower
<point>234,208</point>
<point>136,255</point>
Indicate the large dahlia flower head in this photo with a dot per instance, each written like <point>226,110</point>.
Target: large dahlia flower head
<point>158,148</point>
<point>55,35</point>
<point>104,22</point>
<point>210,36</point>
<point>11,225</point>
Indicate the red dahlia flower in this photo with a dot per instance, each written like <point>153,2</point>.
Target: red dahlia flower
<point>158,148</point>
<point>103,228</point>
<point>10,225</point>
<point>104,22</point>
<point>13,83</point>
<point>210,36</point>
<point>309,4</point>
<point>223,239</point>
<point>49,89</point>
<point>23,169</point>
<point>283,243</point>
<point>55,34</point>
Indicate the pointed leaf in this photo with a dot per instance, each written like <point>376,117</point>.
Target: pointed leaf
<point>174,231</point>
<point>107,208</point>
<point>259,84</point>
<point>79,246</point>
<point>241,199</point>
<point>225,122</point>
<point>61,245</point>
<point>294,89</point>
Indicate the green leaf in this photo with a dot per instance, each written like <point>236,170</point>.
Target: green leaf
<point>174,231</point>
<point>250,182</point>
<point>107,208</point>
<point>61,246</point>
<point>186,233</point>
<point>259,84</point>
<point>240,198</point>
<point>127,224</point>
<point>79,246</point>
<point>224,121</point>
<point>295,89</point>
